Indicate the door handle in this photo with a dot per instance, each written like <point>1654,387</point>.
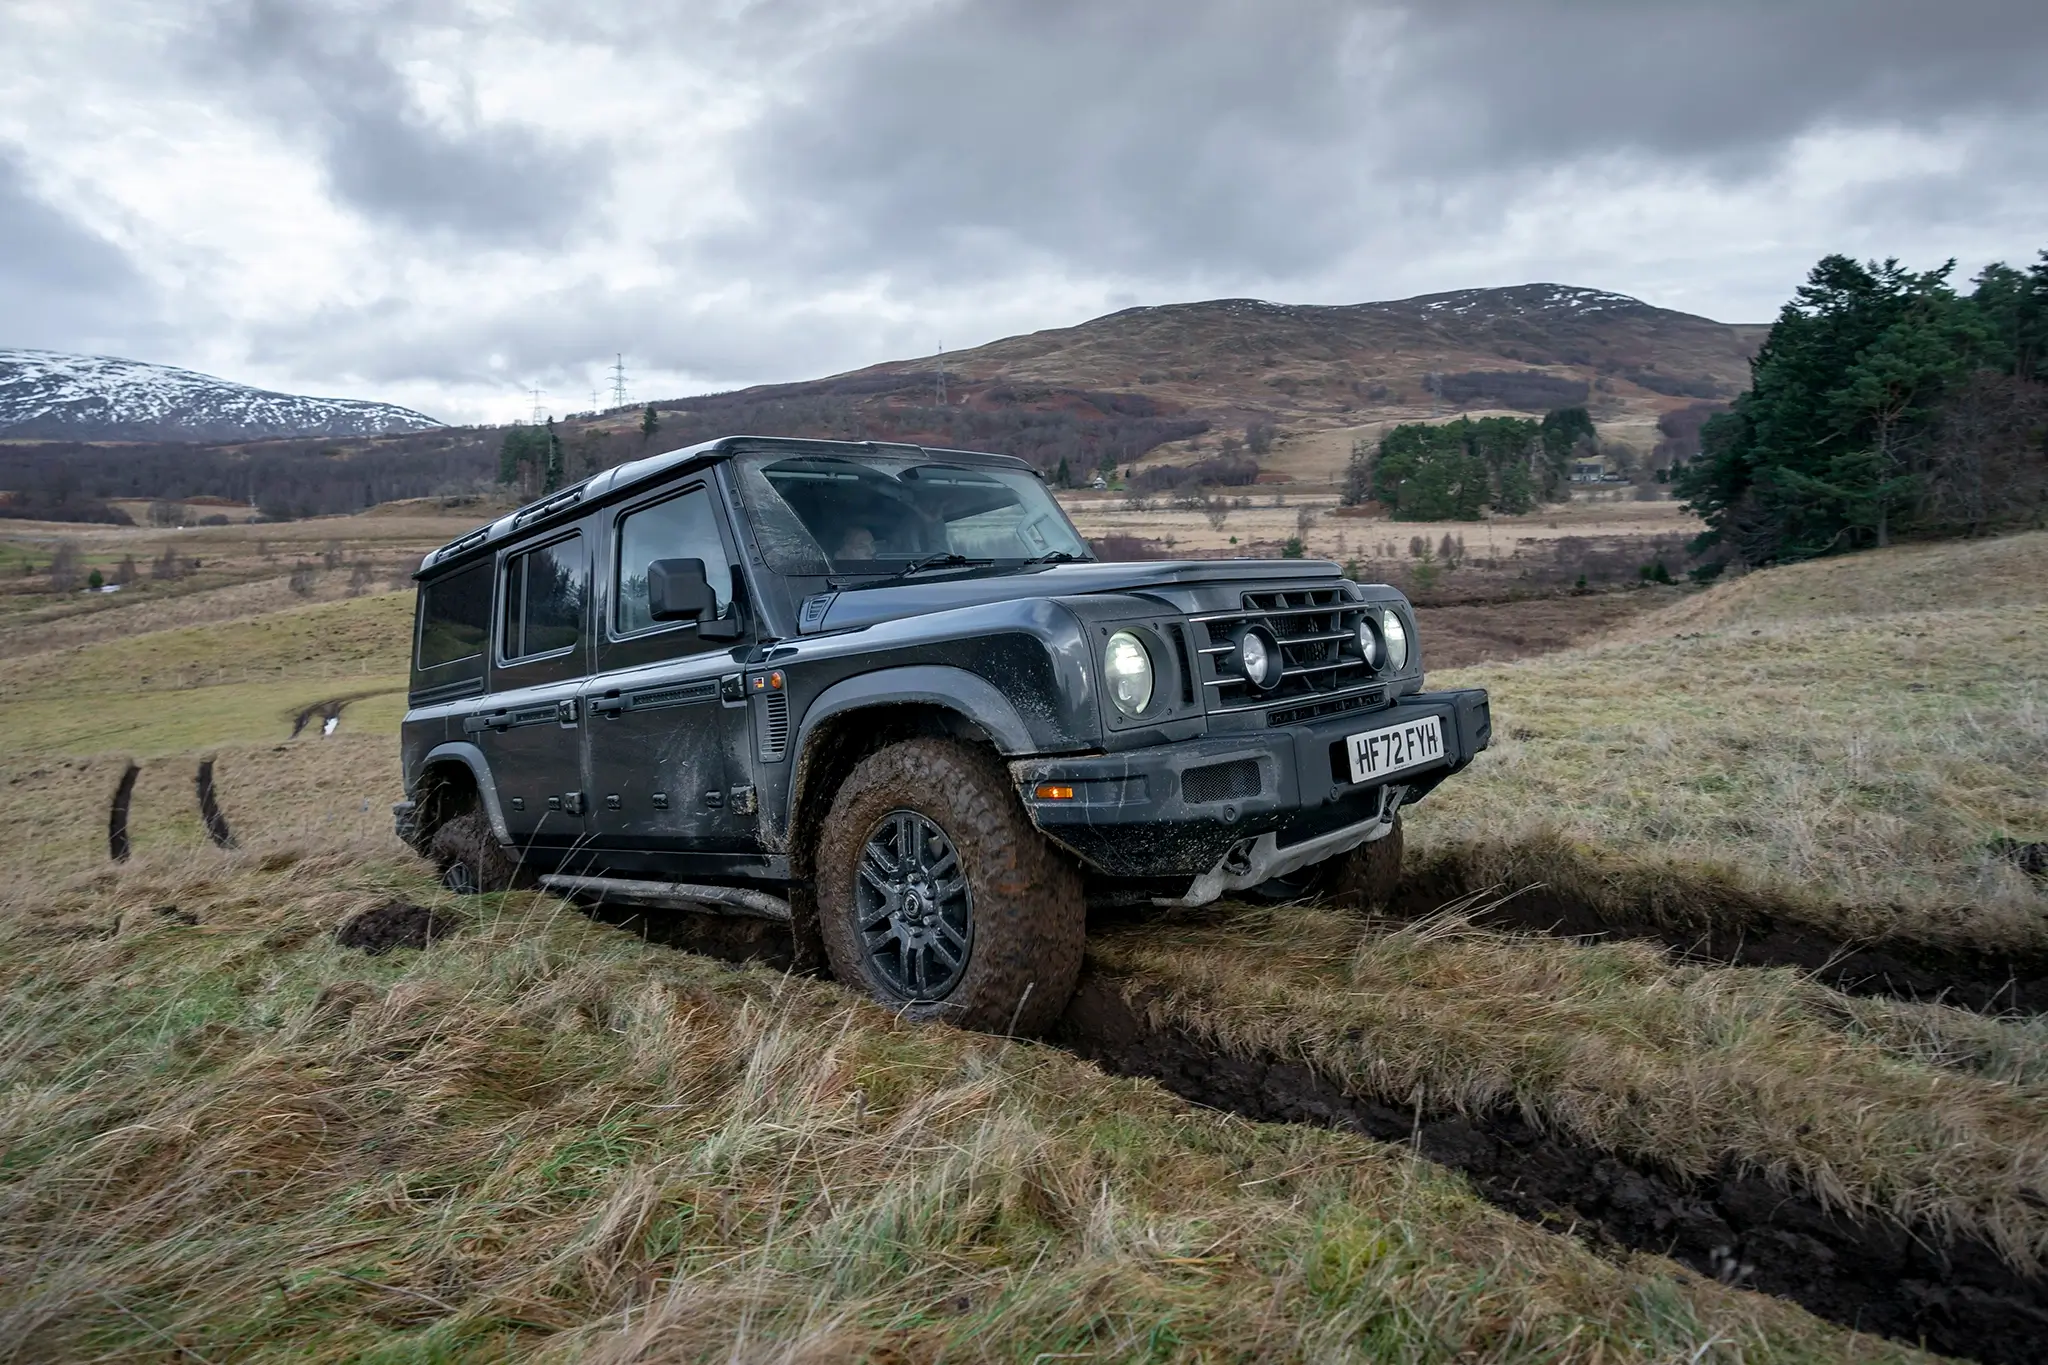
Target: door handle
<point>494,720</point>
<point>565,711</point>
<point>609,705</point>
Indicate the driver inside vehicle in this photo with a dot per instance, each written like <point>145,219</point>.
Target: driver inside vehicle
<point>857,545</point>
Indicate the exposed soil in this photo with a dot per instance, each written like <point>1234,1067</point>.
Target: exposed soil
<point>117,814</point>
<point>1868,1273</point>
<point>1754,937</point>
<point>1456,635</point>
<point>210,813</point>
<point>729,938</point>
<point>396,924</point>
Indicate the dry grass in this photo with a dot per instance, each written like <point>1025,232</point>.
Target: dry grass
<point>543,1139</point>
<point>1935,1115</point>
<point>1851,769</point>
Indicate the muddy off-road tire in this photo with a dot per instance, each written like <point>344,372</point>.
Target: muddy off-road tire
<point>938,897</point>
<point>1363,879</point>
<point>471,859</point>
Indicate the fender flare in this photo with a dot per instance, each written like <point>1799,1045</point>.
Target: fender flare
<point>943,685</point>
<point>471,757</point>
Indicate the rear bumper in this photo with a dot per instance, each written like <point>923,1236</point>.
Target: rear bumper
<point>1200,807</point>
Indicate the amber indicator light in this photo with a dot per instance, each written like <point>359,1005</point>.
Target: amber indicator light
<point>1049,792</point>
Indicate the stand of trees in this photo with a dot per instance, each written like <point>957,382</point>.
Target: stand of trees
<point>1883,404</point>
<point>1450,471</point>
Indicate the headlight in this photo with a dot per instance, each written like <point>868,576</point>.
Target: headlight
<point>1258,655</point>
<point>1369,643</point>
<point>1397,641</point>
<point>1128,665</point>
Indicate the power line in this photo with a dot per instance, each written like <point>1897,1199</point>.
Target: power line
<point>536,405</point>
<point>619,382</point>
<point>942,374</point>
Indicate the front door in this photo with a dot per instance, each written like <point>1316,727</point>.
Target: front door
<point>530,726</point>
<point>667,724</point>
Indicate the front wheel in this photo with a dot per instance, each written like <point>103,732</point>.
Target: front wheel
<point>938,896</point>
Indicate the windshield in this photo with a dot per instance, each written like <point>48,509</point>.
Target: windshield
<point>820,514</point>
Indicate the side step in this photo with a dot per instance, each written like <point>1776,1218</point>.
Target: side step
<point>727,900</point>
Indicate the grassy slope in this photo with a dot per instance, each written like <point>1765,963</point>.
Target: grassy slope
<point>542,1138</point>
<point>1845,738</point>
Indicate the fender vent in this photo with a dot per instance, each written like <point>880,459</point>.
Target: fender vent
<point>1234,780</point>
<point>771,726</point>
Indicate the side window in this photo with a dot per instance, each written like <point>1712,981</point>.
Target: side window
<point>545,594</point>
<point>683,527</point>
<point>455,620</point>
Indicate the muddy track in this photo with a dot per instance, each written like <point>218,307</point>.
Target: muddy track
<point>1757,938</point>
<point>118,844</point>
<point>210,813</point>
<point>1871,1274</point>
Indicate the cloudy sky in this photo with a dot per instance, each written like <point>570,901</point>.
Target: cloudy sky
<point>444,203</point>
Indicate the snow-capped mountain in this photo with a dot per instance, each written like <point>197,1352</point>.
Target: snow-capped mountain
<point>48,395</point>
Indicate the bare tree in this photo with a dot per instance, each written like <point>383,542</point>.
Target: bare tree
<point>64,567</point>
<point>1217,510</point>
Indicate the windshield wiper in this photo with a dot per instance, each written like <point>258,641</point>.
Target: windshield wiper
<point>1057,557</point>
<point>948,560</point>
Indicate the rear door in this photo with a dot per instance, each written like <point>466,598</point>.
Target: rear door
<point>667,731</point>
<point>530,725</point>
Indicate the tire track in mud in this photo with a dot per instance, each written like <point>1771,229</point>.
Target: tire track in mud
<point>1958,1297</point>
<point>1870,1273</point>
<point>1754,936</point>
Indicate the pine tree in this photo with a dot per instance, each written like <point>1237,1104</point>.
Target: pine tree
<point>649,424</point>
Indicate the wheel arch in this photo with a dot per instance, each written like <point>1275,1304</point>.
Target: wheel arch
<point>448,774</point>
<point>855,717</point>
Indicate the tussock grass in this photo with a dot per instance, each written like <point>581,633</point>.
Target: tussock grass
<point>1852,770</point>
<point>544,1139</point>
<point>1934,1115</point>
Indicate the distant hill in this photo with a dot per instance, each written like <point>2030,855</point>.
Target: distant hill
<point>1531,342</point>
<point>48,395</point>
<point>1323,374</point>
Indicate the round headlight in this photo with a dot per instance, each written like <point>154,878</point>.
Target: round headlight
<point>1258,654</point>
<point>1397,641</point>
<point>1128,665</point>
<point>1369,643</point>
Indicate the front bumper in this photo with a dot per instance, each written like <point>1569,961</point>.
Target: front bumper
<point>1204,808</point>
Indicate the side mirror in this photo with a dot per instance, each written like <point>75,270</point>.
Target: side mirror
<point>678,591</point>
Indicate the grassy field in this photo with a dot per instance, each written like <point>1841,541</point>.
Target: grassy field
<point>224,1136</point>
<point>1846,741</point>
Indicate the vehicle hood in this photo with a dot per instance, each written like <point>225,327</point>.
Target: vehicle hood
<point>851,608</point>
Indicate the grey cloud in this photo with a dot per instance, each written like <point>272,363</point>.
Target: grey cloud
<point>1215,140</point>
<point>322,71</point>
<point>62,286</point>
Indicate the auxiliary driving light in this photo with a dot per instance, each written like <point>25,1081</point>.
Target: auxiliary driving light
<point>1258,655</point>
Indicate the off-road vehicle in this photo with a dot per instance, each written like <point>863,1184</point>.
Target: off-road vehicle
<point>886,694</point>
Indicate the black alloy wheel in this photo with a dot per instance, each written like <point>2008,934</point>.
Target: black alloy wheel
<point>915,909</point>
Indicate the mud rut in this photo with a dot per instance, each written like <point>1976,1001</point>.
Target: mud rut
<point>1990,982</point>
<point>1870,1273</point>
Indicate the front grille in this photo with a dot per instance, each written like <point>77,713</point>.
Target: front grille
<point>1318,633</point>
<point>1230,781</point>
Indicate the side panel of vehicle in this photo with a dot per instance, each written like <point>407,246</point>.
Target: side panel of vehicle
<point>667,731</point>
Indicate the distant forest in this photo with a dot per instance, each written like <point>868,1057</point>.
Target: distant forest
<point>1077,429</point>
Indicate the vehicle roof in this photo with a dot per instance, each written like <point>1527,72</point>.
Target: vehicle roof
<point>572,501</point>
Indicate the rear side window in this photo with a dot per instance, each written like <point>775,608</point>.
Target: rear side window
<point>546,591</point>
<point>455,618</point>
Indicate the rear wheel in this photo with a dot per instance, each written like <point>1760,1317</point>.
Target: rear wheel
<point>938,896</point>
<point>471,859</point>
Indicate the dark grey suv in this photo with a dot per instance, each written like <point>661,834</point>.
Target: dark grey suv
<point>885,694</point>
